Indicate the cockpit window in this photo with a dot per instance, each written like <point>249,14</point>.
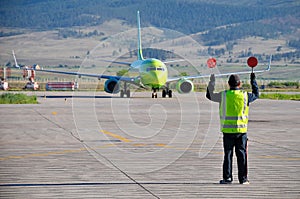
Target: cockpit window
<point>153,69</point>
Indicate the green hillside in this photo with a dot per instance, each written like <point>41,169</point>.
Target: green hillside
<point>268,19</point>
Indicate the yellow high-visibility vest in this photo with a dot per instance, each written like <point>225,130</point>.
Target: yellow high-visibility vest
<point>234,111</point>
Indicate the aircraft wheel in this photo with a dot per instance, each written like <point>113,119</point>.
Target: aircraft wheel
<point>164,93</point>
<point>128,93</point>
<point>122,93</point>
<point>170,93</point>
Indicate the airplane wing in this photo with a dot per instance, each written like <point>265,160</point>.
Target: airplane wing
<point>16,63</point>
<point>130,63</point>
<point>131,80</point>
<point>219,75</point>
<point>117,62</point>
<point>172,61</point>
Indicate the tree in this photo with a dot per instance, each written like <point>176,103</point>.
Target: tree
<point>122,72</point>
<point>279,48</point>
<point>183,74</point>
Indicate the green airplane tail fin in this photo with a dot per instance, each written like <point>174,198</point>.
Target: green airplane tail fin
<point>140,53</point>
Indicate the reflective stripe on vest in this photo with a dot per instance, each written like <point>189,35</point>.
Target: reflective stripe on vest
<point>234,111</point>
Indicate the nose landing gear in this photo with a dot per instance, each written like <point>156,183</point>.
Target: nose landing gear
<point>154,93</point>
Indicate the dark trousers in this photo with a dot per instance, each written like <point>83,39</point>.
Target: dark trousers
<point>239,142</point>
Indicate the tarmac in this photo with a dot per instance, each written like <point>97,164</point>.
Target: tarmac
<point>96,145</point>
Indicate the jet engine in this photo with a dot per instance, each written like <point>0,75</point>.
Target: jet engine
<point>112,86</point>
<point>184,86</point>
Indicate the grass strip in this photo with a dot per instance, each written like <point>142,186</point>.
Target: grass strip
<point>280,96</point>
<point>17,98</point>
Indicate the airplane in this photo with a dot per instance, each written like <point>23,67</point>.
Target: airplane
<point>153,73</point>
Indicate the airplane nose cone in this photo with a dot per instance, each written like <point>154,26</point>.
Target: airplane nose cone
<point>155,78</point>
<point>158,79</point>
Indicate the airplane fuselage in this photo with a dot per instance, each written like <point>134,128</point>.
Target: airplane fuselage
<point>153,73</point>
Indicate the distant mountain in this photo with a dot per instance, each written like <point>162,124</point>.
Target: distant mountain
<point>223,20</point>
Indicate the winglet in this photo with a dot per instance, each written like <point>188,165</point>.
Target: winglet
<point>269,66</point>
<point>140,53</point>
<point>16,63</point>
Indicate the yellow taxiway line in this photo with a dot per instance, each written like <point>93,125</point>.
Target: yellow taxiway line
<point>116,136</point>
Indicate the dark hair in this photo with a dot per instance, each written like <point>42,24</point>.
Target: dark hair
<point>234,80</point>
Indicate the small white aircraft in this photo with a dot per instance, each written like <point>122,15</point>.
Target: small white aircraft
<point>153,74</point>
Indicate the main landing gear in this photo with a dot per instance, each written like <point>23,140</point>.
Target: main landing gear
<point>166,92</point>
<point>125,91</point>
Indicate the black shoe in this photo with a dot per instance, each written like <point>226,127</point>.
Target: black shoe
<point>225,181</point>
